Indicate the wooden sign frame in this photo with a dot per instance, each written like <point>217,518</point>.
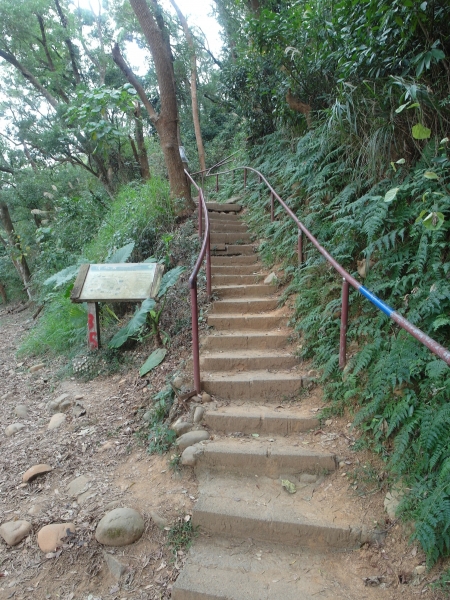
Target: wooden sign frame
<point>122,282</point>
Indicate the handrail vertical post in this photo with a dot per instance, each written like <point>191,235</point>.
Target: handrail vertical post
<point>245,178</point>
<point>259,186</point>
<point>271,207</point>
<point>200,217</point>
<point>300,247</point>
<point>344,323</point>
<point>217,182</point>
<point>195,344</point>
<point>208,265</point>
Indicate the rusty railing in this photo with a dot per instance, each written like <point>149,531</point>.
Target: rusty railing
<point>205,251</point>
<point>347,279</point>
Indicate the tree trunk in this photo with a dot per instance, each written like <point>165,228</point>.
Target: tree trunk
<point>167,122</point>
<point>14,249</point>
<point>195,111</point>
<point>142,150</point>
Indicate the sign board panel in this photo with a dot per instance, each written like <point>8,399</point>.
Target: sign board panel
<point>124,282</point>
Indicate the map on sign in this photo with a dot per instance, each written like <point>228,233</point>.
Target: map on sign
<point>117,282</point>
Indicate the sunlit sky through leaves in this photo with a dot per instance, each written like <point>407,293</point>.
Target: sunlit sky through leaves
<point>199,14</point>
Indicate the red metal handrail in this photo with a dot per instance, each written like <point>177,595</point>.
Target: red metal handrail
<point>204,251</point>
<point>347,279</point>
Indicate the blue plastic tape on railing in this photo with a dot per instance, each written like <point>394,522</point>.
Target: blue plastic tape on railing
<point>375,300</point>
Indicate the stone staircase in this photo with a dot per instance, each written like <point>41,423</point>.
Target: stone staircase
<point>257,541</point>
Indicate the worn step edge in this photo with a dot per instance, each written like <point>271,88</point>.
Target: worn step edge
<point>247,363</point>
<point>242,340</point>
<point>220,517</point>
<point>262,458</point>
<point>256,422</point>
<point>243,305</point>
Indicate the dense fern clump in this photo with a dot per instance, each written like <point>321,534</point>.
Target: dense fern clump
<point>398,389</point>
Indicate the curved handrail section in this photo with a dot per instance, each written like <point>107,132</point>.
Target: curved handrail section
<point>205,252</point>
<point>347,279</point>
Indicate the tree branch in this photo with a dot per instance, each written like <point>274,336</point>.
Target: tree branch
<point>29,77</point>
<point>120,62</point>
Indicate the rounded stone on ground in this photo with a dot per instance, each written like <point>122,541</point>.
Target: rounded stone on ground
<point>56,421</point>
<point>198,414</point>
<point>120,527</point>
<point>13,532</point>
<point>191,438</point>
<point>35,471</point>
<point>178,382</point>
<point>13,429</point>
<point>106,446</point>
<point>189,456</point>
<point>307,478</point>
<point>206,398</point>
<point>77,486</point>
<point>181,427</point>
<point>37,367</point>
<point>50,536</point>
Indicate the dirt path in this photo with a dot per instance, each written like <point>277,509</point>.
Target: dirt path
<point>97,440</point>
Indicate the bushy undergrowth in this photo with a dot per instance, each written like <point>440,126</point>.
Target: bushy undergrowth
<point>141,213</point>
<point>398,390</point>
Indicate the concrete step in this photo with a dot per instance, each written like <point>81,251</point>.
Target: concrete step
<point>247,360</point>
<point>253,385</point>
<point>236,279</point>
<point>259,508</point>
<point>243,291</point>
<point>223,208</point>
<point>265,420</point>
<point>255,322</point>
<point>237,569</point>
<point>251,269</point>
<point>231,249</point>
<point>242,340</point>
<point>225,218</point>
<point>242,306</point>
<point>221,226</point>
<point>226,261</point>
<point>239,238</point>
<point>273,459</point>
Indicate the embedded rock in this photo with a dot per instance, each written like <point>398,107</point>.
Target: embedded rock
<point>272,278</point>
<point>13,429</point>
<point>60,404</point>
<point>51,536</point>
<point>191,438</point>
<point>181,427</point>
<point>77,486</point>
<point>35,471</point>
<point>189,456</point>
<point>13,532</point>
<point>198,414</point>
<point>116,568</point>
<point>56,421</point>
<point>35,368</point>
<point>120,527</point>
<point>206,398</point>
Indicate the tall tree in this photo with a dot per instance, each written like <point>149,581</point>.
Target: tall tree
<point>166,122</point>
<point>193,61</point>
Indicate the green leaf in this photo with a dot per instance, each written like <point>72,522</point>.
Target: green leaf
<point>430,175</point>
<point>134,325</point>
<point>391,194</point>
<point>122,254</point>
<point>62,277</point>
<point>151,259</point>
<point>401,107</point>
<point>440,321</point>
<point>434,221</point>
<point>153,361</point>
<point>420,132</point>
<point>400,161</point>
<point>415,105</point>
<point>170,279</point>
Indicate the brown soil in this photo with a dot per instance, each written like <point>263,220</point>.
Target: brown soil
<point>103,445</point>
